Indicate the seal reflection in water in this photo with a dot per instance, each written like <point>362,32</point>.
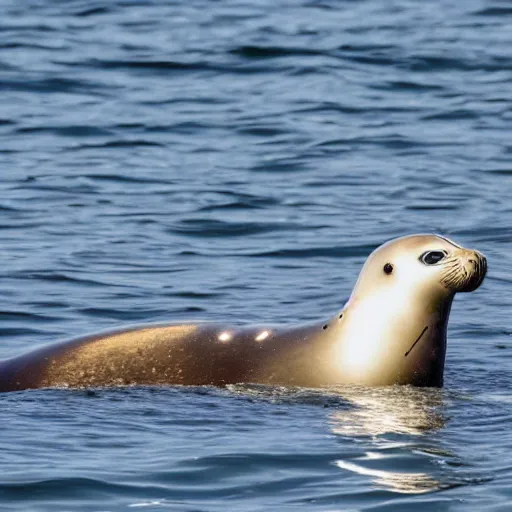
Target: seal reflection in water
<point>391,331</point>
<point>396,420</point>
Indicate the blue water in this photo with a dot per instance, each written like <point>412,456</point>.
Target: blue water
<point>165,161</point>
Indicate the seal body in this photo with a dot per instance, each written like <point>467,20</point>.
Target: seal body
<point>391,331</point>
<point>201,354</point>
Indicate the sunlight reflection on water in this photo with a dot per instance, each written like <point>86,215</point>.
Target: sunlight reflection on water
<point>387,416</point>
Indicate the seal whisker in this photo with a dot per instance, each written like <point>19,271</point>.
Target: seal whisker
<point>450,276</point>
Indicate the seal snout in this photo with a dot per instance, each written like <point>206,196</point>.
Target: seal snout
<point>465,270</point>
<point>478,262</point>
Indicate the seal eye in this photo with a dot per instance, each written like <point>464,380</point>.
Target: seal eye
<point>433,257</point>
<point>388,268</point>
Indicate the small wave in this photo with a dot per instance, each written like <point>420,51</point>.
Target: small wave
<point>6,316</point>
<point>265,52</point>
<point>67,131</point>
<point>49,85</point>
<point>93,11</point>
<point>125,178</point>
<point>69,488</point>
<point>218,228</point>
<point>114,144</point>
<point>314,252</point>
<point>494,11</point>
<point>59,277</point>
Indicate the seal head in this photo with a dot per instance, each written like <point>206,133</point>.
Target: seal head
<point>393,328</point>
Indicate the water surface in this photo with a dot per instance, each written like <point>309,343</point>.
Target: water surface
<point>237,161</point>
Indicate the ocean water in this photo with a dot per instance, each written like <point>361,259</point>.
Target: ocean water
<point>167,161</point>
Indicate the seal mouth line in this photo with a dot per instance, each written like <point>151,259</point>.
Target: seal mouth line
<point>417,339</point>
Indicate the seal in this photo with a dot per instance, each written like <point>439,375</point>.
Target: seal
<point>392,330</point>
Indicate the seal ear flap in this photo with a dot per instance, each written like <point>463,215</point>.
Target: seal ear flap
<point>388,268</point>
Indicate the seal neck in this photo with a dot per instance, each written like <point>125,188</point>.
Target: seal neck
<point>374,342</point>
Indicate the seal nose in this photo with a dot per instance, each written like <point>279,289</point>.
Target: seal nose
<point>479,261</point>
<point>482,263</point>
<point>479,264</point>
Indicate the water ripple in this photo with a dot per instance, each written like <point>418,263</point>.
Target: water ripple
<point>237,162</point>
